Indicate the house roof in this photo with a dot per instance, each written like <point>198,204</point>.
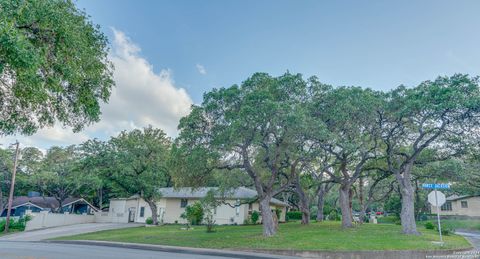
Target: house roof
<point>242,193</point>
<point>45,202</point>
<point>458,197</point>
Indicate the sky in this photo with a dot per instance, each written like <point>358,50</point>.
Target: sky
<point>168,53</point>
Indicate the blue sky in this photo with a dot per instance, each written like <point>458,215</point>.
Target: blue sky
<point>377,44</point>
<point>168,53</point>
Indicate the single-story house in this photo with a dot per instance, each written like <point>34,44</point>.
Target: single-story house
<point>235,208</point>
<point>21,204</point>
<point>460,206</point>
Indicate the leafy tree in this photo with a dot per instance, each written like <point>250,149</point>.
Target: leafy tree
<point>440,114</point>
<point>139,164</point>
<point>256,127</point>
<point>53,66</point>
<point>59,175</point>
<point>350,115</point>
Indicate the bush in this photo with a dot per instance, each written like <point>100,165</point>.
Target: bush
<point>254,217</point>
<point>149,221</point>
<point>333,215</point>
<point>18,224</point>
<point>429,225</point>
<point>294,215</point>
<point>193,214</point>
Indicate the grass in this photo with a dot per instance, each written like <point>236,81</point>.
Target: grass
<point>317,236</point>
<point>458,224</point>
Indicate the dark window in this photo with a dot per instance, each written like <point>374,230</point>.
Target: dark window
<point>183,203</point>
<point>464,204</point>
<point>447,206</point>
<point>142,212</point>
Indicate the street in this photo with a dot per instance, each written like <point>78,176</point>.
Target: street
<point>35,250</point>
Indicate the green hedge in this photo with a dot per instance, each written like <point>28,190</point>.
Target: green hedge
<point>294,215</point>
<point>15,224</point>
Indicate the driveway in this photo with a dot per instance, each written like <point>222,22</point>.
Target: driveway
<point>42,234</point>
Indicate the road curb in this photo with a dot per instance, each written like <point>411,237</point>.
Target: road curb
<point>173,249</point>
<point>277,253</point>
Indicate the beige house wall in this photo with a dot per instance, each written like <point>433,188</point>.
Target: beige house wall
<point>170,211</point>
<point>473,209</point>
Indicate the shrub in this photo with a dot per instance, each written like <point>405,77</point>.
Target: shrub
<point>254,217</point>
<point>194,214</point>
<point>334,216</point>
<point>429,225</point>
<point>18,224</point>
<point>149,221</point>
<point>294,215</point>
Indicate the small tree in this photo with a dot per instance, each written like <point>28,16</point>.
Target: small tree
<point>255,216</point>
<point>209,205</point>
<point>193,214</point>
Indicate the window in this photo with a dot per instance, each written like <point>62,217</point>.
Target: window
<point>464,204</point>
<point>142,212</point>
<point>447,206</point>
<point>183,203</point>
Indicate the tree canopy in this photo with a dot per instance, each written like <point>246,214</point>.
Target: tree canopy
<point>53,66</point>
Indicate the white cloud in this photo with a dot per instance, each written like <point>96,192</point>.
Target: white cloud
<point>201,69</point>
<point>141,97</point>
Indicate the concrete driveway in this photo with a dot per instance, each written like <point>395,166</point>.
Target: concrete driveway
<point>43,234</point>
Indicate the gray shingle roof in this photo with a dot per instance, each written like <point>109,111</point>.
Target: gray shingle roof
<point>241,193</point>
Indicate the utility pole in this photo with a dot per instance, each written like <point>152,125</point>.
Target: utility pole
<point>12,187</point>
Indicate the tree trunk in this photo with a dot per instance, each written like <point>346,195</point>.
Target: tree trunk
<point>304,203</point>
<point>153,208</point>
<point>100,198</point>
<point>1,199</point>
<point>269,228</point>
<point>407,215</point>
<point>344,200</point>
<point>320,204</point>
<point>361,200</point>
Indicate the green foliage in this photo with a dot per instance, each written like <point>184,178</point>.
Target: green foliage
<point>334,216</point>
<point>61,176</point>
<point>135,161</point>
<point>429,225</point>
<point>15,224</point>
<point>393,205</point>
<point>194,214</point>
<point>149,221</point>
<point>294,215</point>
<point>209,204</point>
<point>255,217</point>
<point>53,65</point>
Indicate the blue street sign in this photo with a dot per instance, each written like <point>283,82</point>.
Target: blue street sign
<point>436,185</point>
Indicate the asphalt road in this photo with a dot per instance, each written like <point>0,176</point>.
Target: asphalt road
<point>48,233</point>
<point>38,250</point>
<point>472,236</point>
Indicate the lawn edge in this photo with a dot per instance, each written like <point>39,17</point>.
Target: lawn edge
<point>265,253</point>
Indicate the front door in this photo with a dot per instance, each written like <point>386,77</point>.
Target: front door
<point>131,214</point>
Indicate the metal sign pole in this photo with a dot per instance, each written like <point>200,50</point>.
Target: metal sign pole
<point>438,215</point>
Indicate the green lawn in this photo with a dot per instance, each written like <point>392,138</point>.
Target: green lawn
<point>317,236</point>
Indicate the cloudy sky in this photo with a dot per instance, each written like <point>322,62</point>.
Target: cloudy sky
<point>168,53</point>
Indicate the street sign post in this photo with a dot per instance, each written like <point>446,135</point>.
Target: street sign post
<point>437,199</point>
